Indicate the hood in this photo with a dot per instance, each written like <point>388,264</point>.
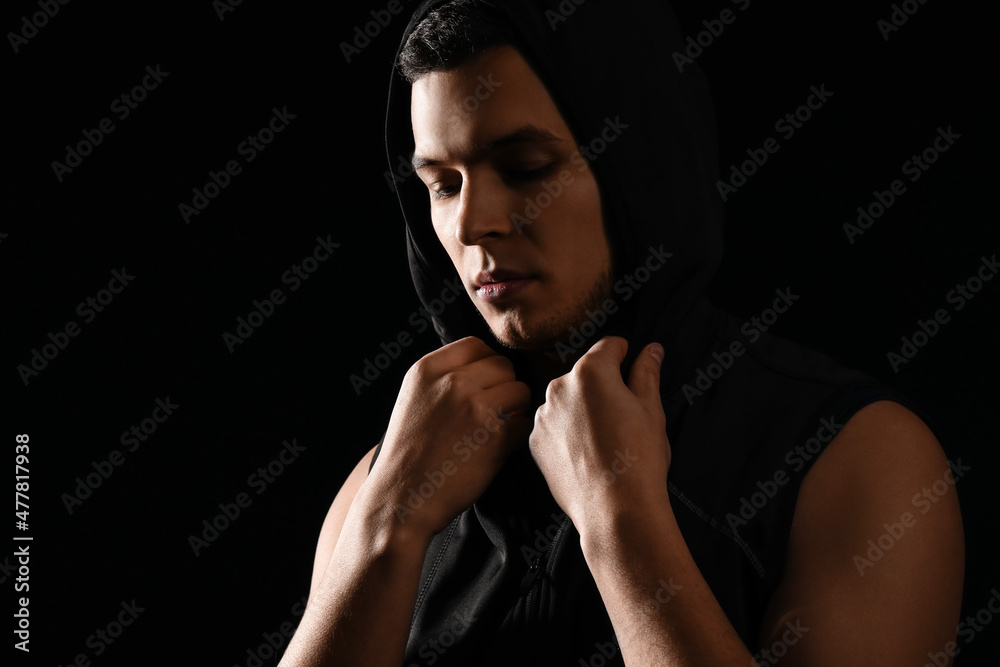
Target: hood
<point>657,179</point>
<point>657,183</point>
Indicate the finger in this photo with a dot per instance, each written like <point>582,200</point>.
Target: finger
<point>644,377</point>
<point>507,399</point>
<point>454,355</point>
<point>488,372</point>
<point>610,350</point>
<point>508,413</point>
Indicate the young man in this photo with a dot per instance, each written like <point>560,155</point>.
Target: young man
<point>718,504</point>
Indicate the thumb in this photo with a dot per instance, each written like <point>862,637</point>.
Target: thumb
<point>644,377</point>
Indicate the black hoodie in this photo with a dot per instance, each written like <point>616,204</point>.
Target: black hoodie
<point>747,413</point>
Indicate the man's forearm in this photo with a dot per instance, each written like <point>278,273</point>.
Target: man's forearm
<point>662,610</point>
<point>360,613</point>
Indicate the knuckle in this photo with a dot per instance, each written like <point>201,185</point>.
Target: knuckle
<point>537,435</point>
<point>588,367</point>
<point>475,343</point>
<point>553,389</point>
<point>418,372</point>
<point>451,383</point>
<point>507,365</point>
<point>480,411</point>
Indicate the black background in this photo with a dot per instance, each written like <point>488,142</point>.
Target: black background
<point>324,176</point>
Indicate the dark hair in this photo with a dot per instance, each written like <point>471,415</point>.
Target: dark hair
<point>451,35</point>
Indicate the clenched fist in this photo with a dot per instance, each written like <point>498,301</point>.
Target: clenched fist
<point>600,444</point>
<point>459,413</point>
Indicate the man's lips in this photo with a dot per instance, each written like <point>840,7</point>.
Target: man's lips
<point>500,284</point>
<point>496,291</point>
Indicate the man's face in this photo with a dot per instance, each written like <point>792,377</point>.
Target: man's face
<point>512,201</point>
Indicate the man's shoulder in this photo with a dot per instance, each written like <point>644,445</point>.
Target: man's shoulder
<point>884,449</point>
<point>877,512</point>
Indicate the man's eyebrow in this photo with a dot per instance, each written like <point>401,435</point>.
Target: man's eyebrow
<point>522,135</point>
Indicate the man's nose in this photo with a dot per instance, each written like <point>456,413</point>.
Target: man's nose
<point>483,213</point>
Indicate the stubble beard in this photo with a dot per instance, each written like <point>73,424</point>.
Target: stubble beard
<point>557,326</point>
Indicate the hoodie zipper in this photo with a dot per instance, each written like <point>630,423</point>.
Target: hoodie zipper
<point>528,583</point>
<point>529,580</point>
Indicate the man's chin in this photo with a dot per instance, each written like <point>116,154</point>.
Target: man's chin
<point>557,353</point>
<point>520,340</point>
<point>539,338</point>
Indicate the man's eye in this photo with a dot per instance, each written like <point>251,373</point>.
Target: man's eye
<point>442,191</point>
<point>529,174</point>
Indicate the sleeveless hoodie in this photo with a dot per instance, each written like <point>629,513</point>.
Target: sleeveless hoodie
<point>506,583</point>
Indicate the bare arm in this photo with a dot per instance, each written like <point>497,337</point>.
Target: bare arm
<point>603,449</point>
<point>883,478</point>
<point>335,518</point>
<point>365,579</point>
<point>371,548</point>
<point>842,601</point>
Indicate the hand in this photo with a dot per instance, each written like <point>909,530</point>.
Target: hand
<point>459,413</point>
<point>601,445</point>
